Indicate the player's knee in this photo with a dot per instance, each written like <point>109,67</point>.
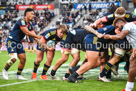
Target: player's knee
<point>23,60</point>
<point>77,58</point>
<point>13,58</point>
<point>120,52</point>
<point>64,59</point>
<point>38,60</point>
<point>74,51</point>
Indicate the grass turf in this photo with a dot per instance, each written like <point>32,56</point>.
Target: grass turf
<point>51,85</point>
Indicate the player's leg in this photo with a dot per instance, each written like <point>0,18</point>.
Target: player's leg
<point>28,47</point>
<point>60,61</point>
<point>131,74</point>
<point>11,48</point>
<point>76,58</point>
<point>49,56</point>
<point>39,58</point>
<point>92,57</point>
<point>22,58</point>
<point>118,54</point>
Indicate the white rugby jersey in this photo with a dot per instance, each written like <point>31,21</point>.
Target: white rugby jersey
<point>131,37</point>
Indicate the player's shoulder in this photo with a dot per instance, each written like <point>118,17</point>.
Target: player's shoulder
<point>52,31</point>
<point>129,24</point>
<point>111,16</point>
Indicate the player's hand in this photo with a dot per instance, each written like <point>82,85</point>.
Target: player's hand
<point>39,36</point>
<point>93,25</point>
<point>99,35</point>
<point>107,36</point>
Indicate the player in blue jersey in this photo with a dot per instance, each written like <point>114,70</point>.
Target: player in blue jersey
<point>56,35</point>
<point>120,12</point>
<point>93,47</point>
<point>30,41</point>
<point>14,43</point>
<point>75,38</point>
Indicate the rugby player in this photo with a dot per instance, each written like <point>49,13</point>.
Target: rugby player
<point>55,34</point>
<point>128,31</point>
<point>14,43</point>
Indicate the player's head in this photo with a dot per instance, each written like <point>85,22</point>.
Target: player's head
<point>29,13</point>
<point>61,30</point>
<point>120,12</point>
<point>119,23</point>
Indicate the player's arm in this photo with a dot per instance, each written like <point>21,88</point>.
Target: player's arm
<point>119,36</point>
<point>43,44</point>
<point>103,19</point>
<point>27,32</point>
<point>35,34</point>
<point>91,30</point>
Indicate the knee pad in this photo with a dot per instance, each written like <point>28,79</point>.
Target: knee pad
<point>73,51</point>
<point>12,56</point>
<point>65,52</point>
<point>120,52</point>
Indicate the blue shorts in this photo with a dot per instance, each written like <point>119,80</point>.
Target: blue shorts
<point>14,47</point>
<point>91,43</point>
<point>40,48</point>
<point>31,39</point>
<point>123,44</point>
<point>0,41</point>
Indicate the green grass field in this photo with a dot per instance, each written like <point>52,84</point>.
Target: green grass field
<point>51,85</point>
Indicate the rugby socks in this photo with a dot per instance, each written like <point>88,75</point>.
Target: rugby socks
<point>6,68</point>
<point>35,67</point>
<point>129,86</point>
<point>53,72</point>
<point>106,69</point>
<point>45,69</point>
<point>75,75</point>
<point>67,75</point>
<point>108,75</point>
<point>19,71</point>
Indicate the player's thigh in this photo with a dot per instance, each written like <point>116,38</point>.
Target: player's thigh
<point>39,55</point>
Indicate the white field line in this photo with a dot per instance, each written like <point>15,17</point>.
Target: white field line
<point>17,83</point>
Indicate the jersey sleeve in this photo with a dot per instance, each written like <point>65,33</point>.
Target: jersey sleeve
<point>110,17</point>
<point>107,29</point>
<point>126,27</point>
<point>22,23</point>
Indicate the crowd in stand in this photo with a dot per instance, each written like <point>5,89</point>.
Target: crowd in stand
<point>26,2</point>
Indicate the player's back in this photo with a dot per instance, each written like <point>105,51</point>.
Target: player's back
<point>78,35</point>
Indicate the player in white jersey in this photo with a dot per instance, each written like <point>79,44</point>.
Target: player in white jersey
<point>128,30</point>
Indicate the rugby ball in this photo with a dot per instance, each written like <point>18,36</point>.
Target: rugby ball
<point>51,43</point>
